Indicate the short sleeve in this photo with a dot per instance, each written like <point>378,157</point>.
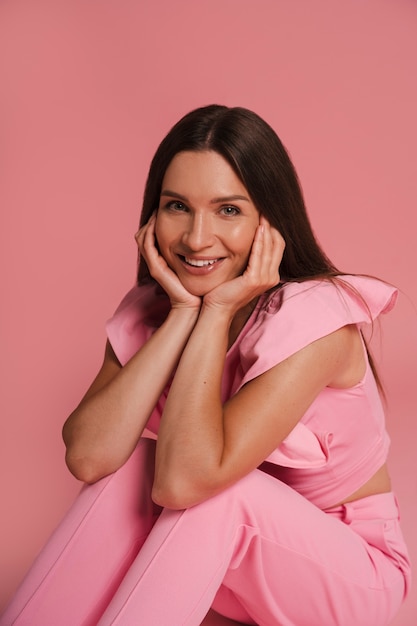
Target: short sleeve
<point>300,313</point>
<point>140,312</point>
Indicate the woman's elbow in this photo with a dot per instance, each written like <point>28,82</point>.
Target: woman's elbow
<point>168,498</point>
<point>180,494</point>
<point>84,469</point>
<point>83,460</point>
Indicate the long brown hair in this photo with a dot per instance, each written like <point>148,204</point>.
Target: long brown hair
<point>260,160</point>
<point>258,157</point>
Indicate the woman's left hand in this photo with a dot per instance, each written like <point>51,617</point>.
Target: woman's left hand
<point>261,273</point>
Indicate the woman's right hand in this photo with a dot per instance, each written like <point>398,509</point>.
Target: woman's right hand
<point>161,272</point>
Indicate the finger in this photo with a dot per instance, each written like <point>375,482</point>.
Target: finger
<point>143,228</point>
<point>142,233</point>
<point>149,248</point>
<point>139,235</point>
<point>279,243</point>
<point>271,255</point>
<point>273,236</point>
<point>267,249</point>
<point>139,232</point>
<point>278,251</point>
<point>255,256</point>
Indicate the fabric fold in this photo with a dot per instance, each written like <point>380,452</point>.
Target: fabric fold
<point>302,449</point>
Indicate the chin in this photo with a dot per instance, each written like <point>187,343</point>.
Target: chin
<point>199,290</point>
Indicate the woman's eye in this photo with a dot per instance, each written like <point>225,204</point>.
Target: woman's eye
<point>230,210</point>
<point>176,205</point>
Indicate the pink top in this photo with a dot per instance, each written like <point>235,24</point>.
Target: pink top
<point>341,440</point>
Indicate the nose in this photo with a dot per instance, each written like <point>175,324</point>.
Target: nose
<point>199,233</point>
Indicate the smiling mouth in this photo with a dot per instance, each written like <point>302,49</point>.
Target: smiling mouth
<point>199,262</point>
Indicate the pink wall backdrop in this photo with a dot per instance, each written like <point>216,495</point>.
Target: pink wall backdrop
<point>87,91</point>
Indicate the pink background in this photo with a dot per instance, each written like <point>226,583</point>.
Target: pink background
<point>88,90</point>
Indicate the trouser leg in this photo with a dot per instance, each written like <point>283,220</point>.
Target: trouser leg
<point>285,561</point>
<point>81,566</point>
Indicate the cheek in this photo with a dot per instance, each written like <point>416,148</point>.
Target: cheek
<point>243,240</point>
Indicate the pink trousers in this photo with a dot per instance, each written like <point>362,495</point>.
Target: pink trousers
<point>258,552</point>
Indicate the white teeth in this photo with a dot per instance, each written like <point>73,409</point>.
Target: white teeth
<point>199,262</point>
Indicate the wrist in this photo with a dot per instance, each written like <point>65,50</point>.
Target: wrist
<point>183,314</point>
<point>217,313</point>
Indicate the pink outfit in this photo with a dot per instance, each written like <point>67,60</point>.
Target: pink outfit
<point>270,550</point>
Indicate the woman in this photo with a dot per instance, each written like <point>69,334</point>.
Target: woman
<point>266,498</point>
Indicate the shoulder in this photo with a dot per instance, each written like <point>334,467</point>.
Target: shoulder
<point>362,298</point>
<point>298,314</point>
<point>326,305</point>
<point>140,311</point>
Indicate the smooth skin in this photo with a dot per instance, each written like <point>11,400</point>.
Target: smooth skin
<point>214,255</point>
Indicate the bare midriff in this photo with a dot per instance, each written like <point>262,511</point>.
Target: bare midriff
<point>380,482</point>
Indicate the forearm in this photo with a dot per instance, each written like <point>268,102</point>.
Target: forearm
<point>104,429</point>
<point>191,438</point>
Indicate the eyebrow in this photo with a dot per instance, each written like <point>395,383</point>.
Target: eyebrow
<point>174,194</point>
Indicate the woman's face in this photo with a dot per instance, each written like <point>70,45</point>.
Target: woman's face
<point>205,222</point>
